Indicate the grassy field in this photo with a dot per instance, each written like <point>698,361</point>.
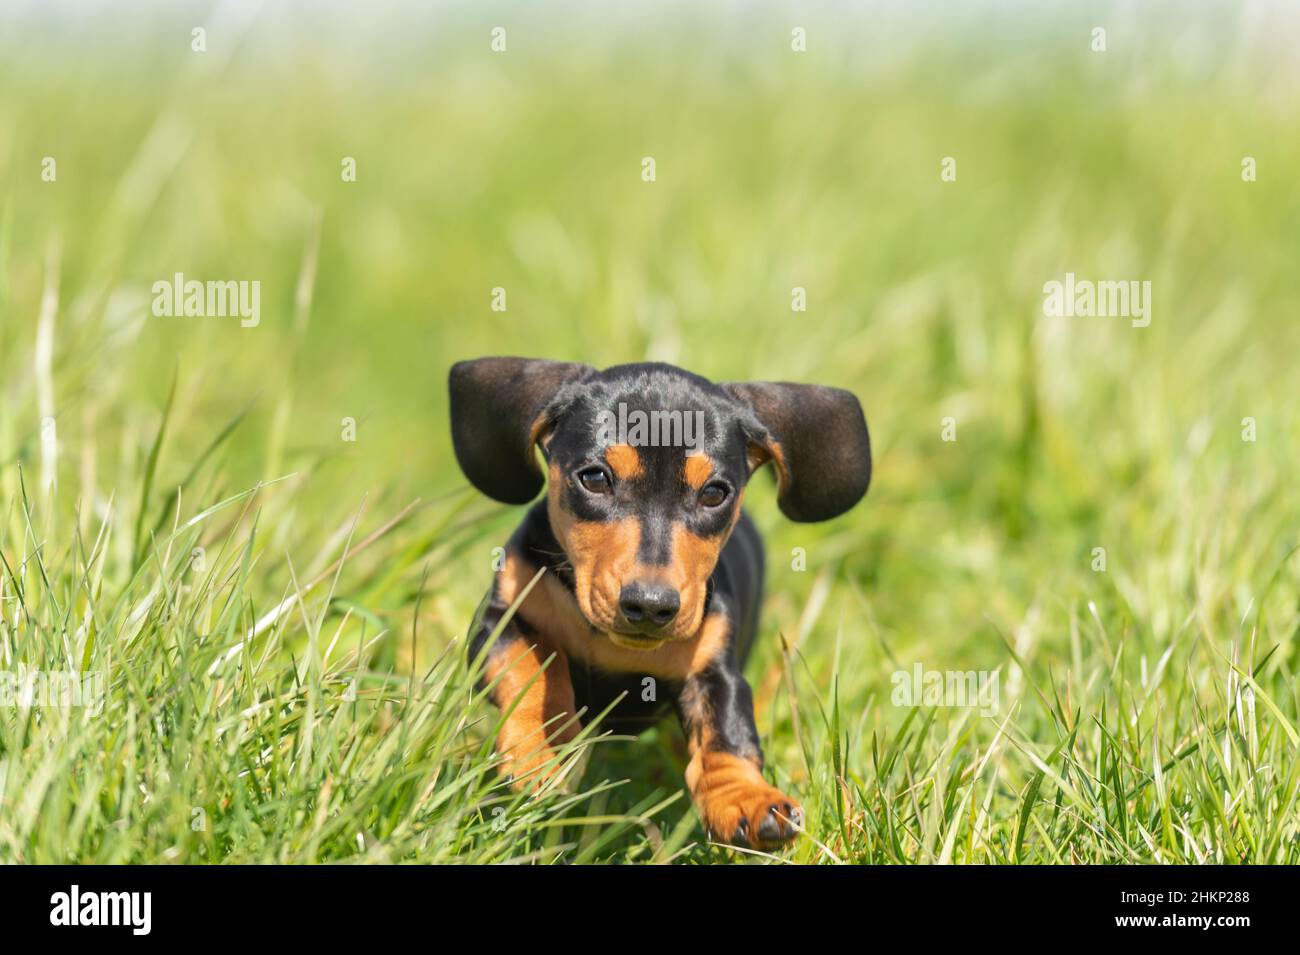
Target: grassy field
<point>257,540</point>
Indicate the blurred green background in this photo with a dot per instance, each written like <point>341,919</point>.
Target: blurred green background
<point>775,169</point>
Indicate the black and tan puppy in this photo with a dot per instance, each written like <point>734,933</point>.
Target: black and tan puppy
<point>651,568</point>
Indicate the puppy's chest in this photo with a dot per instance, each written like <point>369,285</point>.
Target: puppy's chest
<point>631,701</point>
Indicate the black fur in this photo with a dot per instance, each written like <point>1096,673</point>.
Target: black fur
<point>819,438</point>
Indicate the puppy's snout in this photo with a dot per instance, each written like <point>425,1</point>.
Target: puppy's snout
<point>647,606</point>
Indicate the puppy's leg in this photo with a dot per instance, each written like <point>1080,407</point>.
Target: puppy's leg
<point>543,718</point>
<point>725,775</point>
<point>536,696</point>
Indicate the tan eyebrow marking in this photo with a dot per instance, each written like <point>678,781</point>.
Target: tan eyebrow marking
<point>624,461</point>
<point>697,470</point>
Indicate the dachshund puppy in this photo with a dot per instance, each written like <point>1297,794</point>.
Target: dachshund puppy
<point>651,575</point>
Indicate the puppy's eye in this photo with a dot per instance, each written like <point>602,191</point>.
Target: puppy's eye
<point>714,495</point>
<point>594,480</point>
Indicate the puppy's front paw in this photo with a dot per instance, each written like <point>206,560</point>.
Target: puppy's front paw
<point>738,806</point>
<point>760,817</point>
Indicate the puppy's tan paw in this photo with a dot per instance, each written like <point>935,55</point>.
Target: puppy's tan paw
<point>738,806</point>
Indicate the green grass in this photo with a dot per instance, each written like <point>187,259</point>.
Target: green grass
<point>279,614</point>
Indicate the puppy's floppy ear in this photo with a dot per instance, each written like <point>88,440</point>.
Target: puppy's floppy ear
<point>498,410</point>
<point>817,439</point>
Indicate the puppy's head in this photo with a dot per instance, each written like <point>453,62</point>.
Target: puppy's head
<point>646,466</point>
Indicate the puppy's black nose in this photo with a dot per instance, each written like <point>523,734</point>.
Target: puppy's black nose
<point>652,605</point>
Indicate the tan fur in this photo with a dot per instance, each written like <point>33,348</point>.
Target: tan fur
<point>551,610</point>
<point>624,461</point>
<point>697,470</point>
<point>727,789</point>
<point>544,716</point>
<point>758,454</point>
